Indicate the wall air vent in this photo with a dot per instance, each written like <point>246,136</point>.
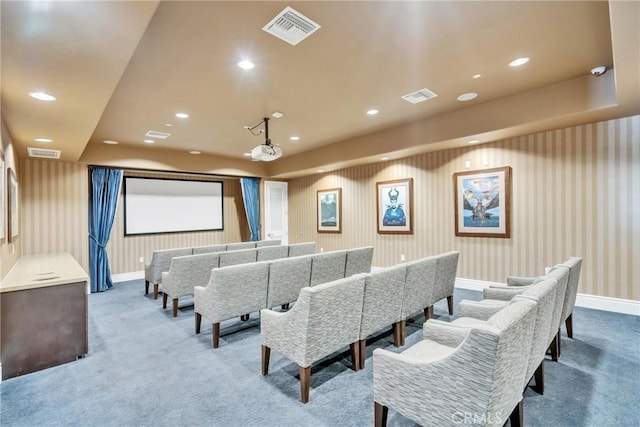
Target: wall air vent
<point>291,26</point>
<point>419,96</point>
<point>44,153</point>
<point>157,134</point>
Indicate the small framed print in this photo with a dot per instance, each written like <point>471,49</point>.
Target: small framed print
<point>482,202</point>
<point>12,196</point>
<point>329,210</point>
<point>394,206</point>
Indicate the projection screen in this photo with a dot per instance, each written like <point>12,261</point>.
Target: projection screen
<point>159,205</point>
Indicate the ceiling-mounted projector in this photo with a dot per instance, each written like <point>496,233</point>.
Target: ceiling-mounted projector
<point>264,152</point>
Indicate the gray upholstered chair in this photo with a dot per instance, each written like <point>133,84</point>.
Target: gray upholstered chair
<point>209,249</point>
<point>327,267</point>
<point>457,372</point>
<point>240,245</point>
<point>235,257</point>
<point>300,249</point>
<point>575,265</point>
<point>382,306</point>
<point>231,292</point>
<point>418,290</point>
<point>445,279</point>
<point>286,277</point>
<point>263,243</point>
<point>160,261</point>
<point>543,293</point>
<point>358,261</point>
<point>184,273</point>
<point>268,253</point>
<point>325,319</point>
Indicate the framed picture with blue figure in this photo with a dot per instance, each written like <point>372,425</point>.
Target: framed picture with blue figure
<point>329,205</point>
<point>483,202</point>
<point>394,206</point>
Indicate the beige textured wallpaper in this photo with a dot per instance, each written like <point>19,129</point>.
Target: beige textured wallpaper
<point>575,192</point>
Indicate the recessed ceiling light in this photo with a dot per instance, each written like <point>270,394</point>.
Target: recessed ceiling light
<point>182,115</point>
<point>518,62</point>
<point>43,140</point>
<point>473,141</point>
<point>372,112</point>
<point>246,65</point>
<point>247,154</point>
<point>467,96</point>
<point>277,115</point>
<point>42,96</point>
<point>168,124</point>
<point>294,138</point>
<point>477,76</point>
<point>110,142</point>
<point>194,152</point>
<point>320,170</point>
<point>384,158</point>
<point>149,141</point>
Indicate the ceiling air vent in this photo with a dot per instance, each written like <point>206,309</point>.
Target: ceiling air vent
<point>44,153</point>
<point>291,26</point>
<point>419,96</point>
<point>157,134</point>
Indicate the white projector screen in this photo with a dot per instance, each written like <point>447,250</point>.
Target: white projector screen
<point>155,205</point>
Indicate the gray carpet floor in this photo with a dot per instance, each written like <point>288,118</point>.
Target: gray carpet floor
<point>145,368</point>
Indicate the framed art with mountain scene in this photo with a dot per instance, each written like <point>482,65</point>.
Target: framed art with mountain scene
<point>330,210</point>
<point>482,202</point>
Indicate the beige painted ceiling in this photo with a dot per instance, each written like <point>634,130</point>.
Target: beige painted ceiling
<point>120,69</point>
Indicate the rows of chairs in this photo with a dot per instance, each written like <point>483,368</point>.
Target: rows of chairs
<point>345,312</point>
<point>475,369</point>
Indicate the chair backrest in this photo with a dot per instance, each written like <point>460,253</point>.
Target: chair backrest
<point>358,261</point>
<point>327,267</point>
<point>240,245</point>
<point>559,272</point>
<point>575,265</point>
<point>209,249</point>
<point>445,275</point>
<point>331,313</point>
<point>268,253</point>
<point>286,277</point>
<point>418,285</point>
<point>300,249</point>
<point>382,305</point>
<point>543,293</point>
<point>236,290</point>
<point>262,243</point>
<point>189,271</point>
<point>242,256</point>
<point>161,260</point>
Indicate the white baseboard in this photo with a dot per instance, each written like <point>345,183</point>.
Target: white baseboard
<point>124,277</point>
<point>596,302</point>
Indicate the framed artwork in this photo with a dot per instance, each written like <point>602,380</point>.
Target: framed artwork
<point>3,221</point>
<point>330,210</point>
<point>394,206</point>
<point>12,197</point>
<point>482,202</point>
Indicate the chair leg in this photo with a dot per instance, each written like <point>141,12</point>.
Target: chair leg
<point>266,353</point>
<point>559,343</point>
<point>517,416</point>
<point>216,335</point>
<point>164,301</point>
<point>428,313</point>
<point>175,306</point>
<point>198,322</point>
<point>450,304</point>
<point>397,331</point>
<point>155,291</point>
<point>285,306</point>
<point>380,414</point>
<point>244,317</point>
<point>355,355</point>
<point>362,352</point>
<point>569,324</point>
<point>146,287</point>
<point>403,331</point>
<point>538,376</point>
<point>554,349</point>
<point>305,379</point>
